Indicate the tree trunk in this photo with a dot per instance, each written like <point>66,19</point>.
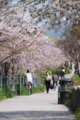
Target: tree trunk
<point>78,68</point>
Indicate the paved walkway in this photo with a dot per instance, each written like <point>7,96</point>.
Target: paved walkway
<point>41,106</point>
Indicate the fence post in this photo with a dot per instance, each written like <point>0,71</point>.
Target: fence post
<point>7,78</point>
<point>22,80</point>
<point>20,85</point>
<point>1,81</point>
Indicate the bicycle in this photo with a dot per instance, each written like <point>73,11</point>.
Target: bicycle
<point>29,87</point>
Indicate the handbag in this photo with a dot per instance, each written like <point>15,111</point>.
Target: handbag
<point>51,86</point>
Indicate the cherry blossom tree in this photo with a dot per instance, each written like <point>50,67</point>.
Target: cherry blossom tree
<point>71,45</point>
<point>55,13</point>
<point>24,45</point>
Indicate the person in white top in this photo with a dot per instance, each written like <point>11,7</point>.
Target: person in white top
<point>29,79</point>
<point>48,79</point>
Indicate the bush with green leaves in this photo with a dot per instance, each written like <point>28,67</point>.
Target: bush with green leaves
<point>77,113</point>
<point>76,80</point>
<point>76,110</point>
<point>7,92</point>
<point>69,103</point>
<point>67,70</point>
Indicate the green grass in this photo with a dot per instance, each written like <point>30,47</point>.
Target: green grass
<point>77,113</point>
<point>8,93</point>
<point>5,93</point>
<point>38,89</point>
<point>2,95</point>
<point>70,104</point>
<point>76,110</point>
<point>24,90</point>
<point>76,80</point>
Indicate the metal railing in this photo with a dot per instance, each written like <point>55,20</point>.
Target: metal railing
<point>19,81</point>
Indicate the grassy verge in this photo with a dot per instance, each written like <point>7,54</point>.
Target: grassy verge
<point>37,89</point>
<point>77,113</point>
<point>76,110</point>
<point>5,93</point>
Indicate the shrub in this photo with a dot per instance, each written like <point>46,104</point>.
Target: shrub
<point>2,95</point>
<point>69,103</point>
<point>77,113</point>
<point>67,70</point>
<point>76,80</point>
<point>75,110</point>
<point>7,92</point>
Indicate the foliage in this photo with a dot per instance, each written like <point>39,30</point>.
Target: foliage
<point>24,90</point>
<point>21,74</point>
<point>55,12</point>
<point>5,92</point>
<point>76,110</point>
<point>21,49</point>
<point>38,89</point>
<point>2,95</point>
<point>8,93</point>
<point>67,70</point>
<point>76,80</point>
<point>70,47</point>
<point>77,113</point>
<point>42,74</point>
<point>70,104</point>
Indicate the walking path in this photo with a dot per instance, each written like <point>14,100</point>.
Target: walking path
<point>41,106</point>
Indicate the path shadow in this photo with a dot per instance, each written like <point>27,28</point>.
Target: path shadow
<point>37,115</point>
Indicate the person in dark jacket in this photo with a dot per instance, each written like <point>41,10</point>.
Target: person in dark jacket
<point>62,73</point>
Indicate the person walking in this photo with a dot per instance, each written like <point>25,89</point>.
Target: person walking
<point>29,80</point>
<point>55,79</point>
<point>62,73</point>
<point>48,80</point>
